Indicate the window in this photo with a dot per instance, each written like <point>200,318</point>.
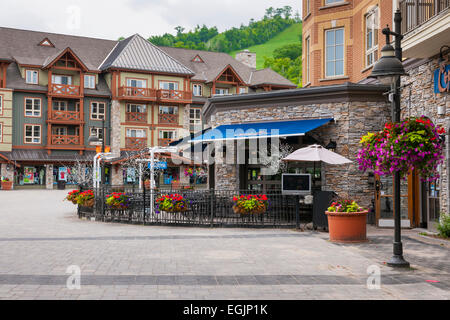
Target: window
<point>59,131</point>
<point>371,37</point>
<point>1,132</point>
<point>333,1</point>
<point>242,90</point>
<point>136,108</point>
<point>32,107</point>
<point>60,105</point>
<point>96,132</point>
<point>89,81</point>
<point>1,104</point>
<point>31,76</point>
<point>195,118</point>
<point>137,83</point>
<point>61,79</point>
<point>32,133</point>
<point>168,85</point>
<point>97,110</point>
<point>136,133</point>
<point>307,57</point>
<point>221,91</point>
<point>198,90</point>
<point>307,6</point>
<point>167,134</point>
<point>168,110</point>
<point>334,56</point>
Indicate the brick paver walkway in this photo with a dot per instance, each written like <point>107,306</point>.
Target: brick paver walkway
<point>40,236</point>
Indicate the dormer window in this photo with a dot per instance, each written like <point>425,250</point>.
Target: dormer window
<point>31,76</point>
<point>46,43</point>
<point>197,59</point>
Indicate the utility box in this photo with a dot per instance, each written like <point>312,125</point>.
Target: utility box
<point>322,200</point>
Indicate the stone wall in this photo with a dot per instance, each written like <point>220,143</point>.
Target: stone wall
<point>117,175</point>
<point>49,176</point>
<point>352,120</point>
<point>419,99</point>
<point>4,172</point>
<point>115,128</point>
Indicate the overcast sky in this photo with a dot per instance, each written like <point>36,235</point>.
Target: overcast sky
<point>112,19</point>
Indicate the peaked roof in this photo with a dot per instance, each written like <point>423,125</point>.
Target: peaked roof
<point>139,54</point>
<point>54,58</point>
<point>216,62</point>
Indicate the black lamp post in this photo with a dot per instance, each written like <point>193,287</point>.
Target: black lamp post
<point>388,70</point>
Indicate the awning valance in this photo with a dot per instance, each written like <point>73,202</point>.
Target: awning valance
<point>268,129</point>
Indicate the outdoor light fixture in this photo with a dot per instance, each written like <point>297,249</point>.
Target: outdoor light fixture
<point>441,54</point>
<point>388,70</point>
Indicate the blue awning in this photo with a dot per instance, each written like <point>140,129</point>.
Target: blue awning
<point>268,129</point>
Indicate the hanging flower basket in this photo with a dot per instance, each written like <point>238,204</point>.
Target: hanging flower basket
<point>171,203</point>
<point>250,204</point>
<point>72,196</point>
<point>86,199</point>
<point>414,143</point>
<point>118,201</point>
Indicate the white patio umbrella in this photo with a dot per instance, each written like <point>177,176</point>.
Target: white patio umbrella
<point>316,153</point>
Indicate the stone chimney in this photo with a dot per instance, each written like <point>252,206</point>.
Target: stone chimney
<point>246,57</point>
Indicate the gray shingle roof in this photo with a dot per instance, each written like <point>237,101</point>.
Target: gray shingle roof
<point>139,54</point>
<point>42,155</point>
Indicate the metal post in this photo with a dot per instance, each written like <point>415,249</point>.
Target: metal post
<point>152,178</point>
<point>397,259</point>
<point>297,211</point>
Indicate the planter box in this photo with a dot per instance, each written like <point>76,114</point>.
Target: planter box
<point>7,185</point>
<point>347,227</point>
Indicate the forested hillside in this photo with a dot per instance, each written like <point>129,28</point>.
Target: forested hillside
<point>276,39</point>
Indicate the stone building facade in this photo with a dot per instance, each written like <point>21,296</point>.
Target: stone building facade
<point>356,109</point>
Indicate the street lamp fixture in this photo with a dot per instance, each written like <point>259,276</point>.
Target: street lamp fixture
<point>388,70</point>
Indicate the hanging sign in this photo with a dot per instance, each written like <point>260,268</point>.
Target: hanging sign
<point>62,174</point>
<point>160,165</point>
<point>442,79</point>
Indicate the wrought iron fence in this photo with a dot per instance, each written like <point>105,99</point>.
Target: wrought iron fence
<point>212,208</point>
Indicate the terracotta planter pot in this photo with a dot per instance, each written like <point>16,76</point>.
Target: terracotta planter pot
<point>347,227</point>
<point>7,185</point>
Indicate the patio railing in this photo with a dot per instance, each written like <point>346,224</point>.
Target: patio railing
<point>211,208</point>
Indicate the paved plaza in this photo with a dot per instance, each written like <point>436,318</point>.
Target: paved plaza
<point>41,237</point>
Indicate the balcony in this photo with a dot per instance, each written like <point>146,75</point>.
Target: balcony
<point>134,93</point>
<point>65,140</point>
<point>64,90</point>
<point>174,96</point>
<point>135,143</point>
<point>425,26</point>
<point>65,115</point>
<point>168,118</point>
<point>138,117</point>
<point>164,142</point>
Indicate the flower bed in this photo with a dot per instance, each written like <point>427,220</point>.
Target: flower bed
<point>171,203</point>
<point>250,204</point>
<point>414,143</point>
<point>72,196</point>
<point>86,199</point>
<point>345,206</point>
<point>118,201</point>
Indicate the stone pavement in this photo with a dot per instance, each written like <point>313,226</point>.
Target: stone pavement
<point>41,236</point>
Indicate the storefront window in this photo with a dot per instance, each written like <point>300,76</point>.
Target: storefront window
<point>30,175</point>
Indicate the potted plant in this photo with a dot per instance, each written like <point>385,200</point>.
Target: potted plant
<point>73,196</point>
<point>86,199</point>
<point>171,203</point>
<point>6,184</point>
<point>347,222</point>
<point>250,204</point>
<point>118,201</point>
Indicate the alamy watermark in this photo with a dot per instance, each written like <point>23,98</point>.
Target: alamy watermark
<point>374,279</point>
<point>74,280</point>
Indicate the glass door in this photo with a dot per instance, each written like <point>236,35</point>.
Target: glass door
<point>384,202</point>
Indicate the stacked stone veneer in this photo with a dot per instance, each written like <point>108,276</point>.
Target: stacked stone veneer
<point>352,120</point>
<point>116,173</point>
<point>419,99</point>
<point>4,172</point>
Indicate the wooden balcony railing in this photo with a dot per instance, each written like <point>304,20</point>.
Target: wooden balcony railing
<point>175,95</point>
<point>65,115</point>
<point>164,142</point>
<point>417,12</point>
<point>135,143</point>
<point>64,90</point>
<point>168,118</point>
<point>65,140</point>
<point>140,93</point>
<point>140,117</point>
